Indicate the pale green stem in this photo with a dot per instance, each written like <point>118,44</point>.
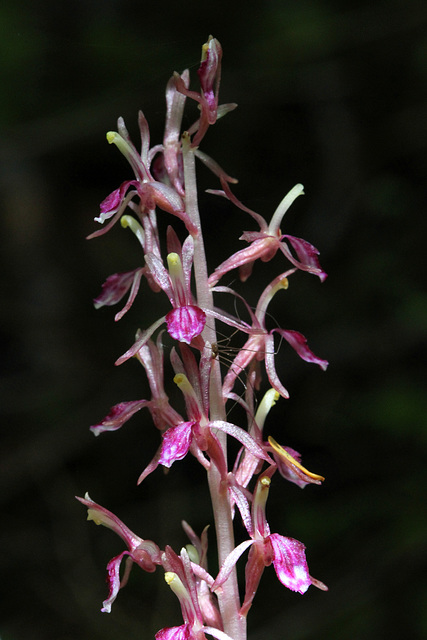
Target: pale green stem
<point>229,599</point>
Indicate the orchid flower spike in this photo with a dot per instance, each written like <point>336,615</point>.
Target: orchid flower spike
<point>265,243</point>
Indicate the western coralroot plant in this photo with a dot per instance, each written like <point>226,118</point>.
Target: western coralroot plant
<point>164,184</point>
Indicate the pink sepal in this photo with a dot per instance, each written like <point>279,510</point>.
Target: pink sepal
<point>151,466</point>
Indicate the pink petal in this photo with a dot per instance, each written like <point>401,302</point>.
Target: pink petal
<point>185,323</point>
<point>239,498</point>
<point>290,563</point>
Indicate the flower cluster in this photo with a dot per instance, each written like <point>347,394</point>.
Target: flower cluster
<point>164,184</point>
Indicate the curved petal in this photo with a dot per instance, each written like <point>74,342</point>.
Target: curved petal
<point>299,343</point>
<point>119,414</point>
<point>113,579</point>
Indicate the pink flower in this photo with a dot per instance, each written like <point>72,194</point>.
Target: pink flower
<point>209,74</point>
<point>286,554</point>
<point>152,193</point>
<point>144,553</point>
<point>267,241</point>
<point>260,343</point>
<point>186,320</point>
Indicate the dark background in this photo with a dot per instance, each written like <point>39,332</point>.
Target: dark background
<point>331,94</point>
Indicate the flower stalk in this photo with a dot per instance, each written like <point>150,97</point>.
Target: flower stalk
<point>165,183</point>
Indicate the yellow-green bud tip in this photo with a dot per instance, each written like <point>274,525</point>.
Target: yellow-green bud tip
<point>173,260</point>
<point>169,577</point>
<point>285,283</point>
<point>180,378</point>
<point>111,136</point>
